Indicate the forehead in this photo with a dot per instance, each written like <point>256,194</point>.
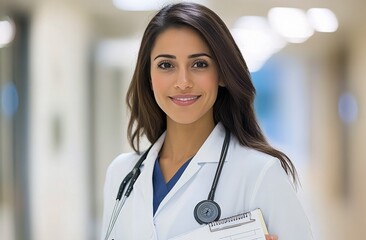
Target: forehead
<point>179,40</point>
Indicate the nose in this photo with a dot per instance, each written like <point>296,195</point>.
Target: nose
<point>183,81</point>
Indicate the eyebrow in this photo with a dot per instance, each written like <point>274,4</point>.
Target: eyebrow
<point>190,56</point>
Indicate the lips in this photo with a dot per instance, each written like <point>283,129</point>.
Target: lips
<point>184,100</point>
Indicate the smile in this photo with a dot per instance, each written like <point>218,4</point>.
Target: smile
<point>184,100</point>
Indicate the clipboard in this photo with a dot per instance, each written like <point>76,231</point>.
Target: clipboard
<point>244,226</point>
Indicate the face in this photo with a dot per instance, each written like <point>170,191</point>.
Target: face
<point>184,76</point>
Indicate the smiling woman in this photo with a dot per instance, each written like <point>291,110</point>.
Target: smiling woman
<point>184,81</point>
<point>191,91</point>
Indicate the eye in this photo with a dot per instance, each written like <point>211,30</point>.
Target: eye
<point>200,64</point>
<point>165,65</point>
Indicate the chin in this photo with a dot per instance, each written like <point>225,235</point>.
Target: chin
<point>184,120</point>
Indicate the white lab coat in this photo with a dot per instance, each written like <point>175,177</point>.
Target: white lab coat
<point>249,180</point>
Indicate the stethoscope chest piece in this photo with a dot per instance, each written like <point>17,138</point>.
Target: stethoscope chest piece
<point>207,211</point>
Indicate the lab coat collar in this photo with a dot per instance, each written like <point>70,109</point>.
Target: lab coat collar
<point>211,148</point>
<point>154,151</point>
<point>208,153</point>
<point>144,185</point>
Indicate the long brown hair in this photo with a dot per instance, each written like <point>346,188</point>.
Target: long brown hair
<point>234,104</point>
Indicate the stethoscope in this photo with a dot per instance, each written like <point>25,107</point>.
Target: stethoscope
<point>205,211</point>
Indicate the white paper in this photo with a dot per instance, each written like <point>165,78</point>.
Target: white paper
<point>250,227</point>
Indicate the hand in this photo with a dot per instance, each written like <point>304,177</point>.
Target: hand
<point>271,237</point>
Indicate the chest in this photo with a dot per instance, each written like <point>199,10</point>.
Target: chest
<point>175,213</point>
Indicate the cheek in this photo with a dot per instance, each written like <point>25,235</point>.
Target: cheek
<point>153,81</point>
<point>160,82</point>
<point>159,86</point>
<point>210,83</point>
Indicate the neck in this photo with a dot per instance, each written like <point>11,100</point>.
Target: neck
<point>183,141</point>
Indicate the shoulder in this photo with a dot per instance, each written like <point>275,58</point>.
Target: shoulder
<point>256,168</point>
<point>254,161</point>
<point>116,172</point>
<point>269,188</point>
<point>122,163</point>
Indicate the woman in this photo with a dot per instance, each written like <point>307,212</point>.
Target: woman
<point>191,89</point>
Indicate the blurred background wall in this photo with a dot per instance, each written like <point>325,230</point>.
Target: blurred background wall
<point>64,70</point>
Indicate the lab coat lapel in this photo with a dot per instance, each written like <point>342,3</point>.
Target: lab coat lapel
<point>208,153</point>
<point>144,185</point>
<point>188,173</point>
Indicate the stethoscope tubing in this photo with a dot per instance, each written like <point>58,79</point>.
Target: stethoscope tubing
<point>131,178</point>
<point>219,167</point>
<point>116,211</point>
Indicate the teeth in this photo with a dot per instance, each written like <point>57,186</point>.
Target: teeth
<point>186,99</point>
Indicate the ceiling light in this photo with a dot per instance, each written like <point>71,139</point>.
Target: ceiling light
<point>147,5</point>
<point>322,19</point>
<point>138,5</point>
<point>256,40</point>
<point>291,23</point>
<point>7,31</point>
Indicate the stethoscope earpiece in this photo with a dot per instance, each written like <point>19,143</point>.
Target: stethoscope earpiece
<point>207,211</point>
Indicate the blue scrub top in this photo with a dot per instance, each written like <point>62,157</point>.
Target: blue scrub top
<point>161,189</point>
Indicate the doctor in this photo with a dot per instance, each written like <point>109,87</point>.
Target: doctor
<point>191,88</point>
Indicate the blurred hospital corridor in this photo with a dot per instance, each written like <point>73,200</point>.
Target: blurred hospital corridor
<point>65,67</point>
